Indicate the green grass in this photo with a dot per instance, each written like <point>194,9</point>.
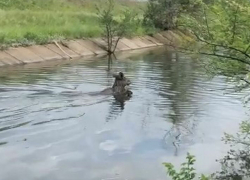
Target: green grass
<point>40,21</point>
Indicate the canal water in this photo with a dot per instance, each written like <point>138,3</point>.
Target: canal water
<point>53,127</point>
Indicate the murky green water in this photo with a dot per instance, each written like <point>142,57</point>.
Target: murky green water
<point>51,128</point>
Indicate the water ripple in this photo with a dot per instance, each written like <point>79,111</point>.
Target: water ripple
<point>57,108</point>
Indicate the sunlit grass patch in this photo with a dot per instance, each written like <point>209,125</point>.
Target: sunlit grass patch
<point>40,21</point>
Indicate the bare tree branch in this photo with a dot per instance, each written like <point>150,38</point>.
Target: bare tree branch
<point>223,46</point>
<point>247,48</point>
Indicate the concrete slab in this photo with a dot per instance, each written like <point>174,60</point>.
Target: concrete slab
<point>54,48</point>
<point>103,44</point>
<point>129,43</point>
<point>100,43</point>
<point>25,55</point>
<point>44,52</point>
<point>177,38</point>
<point>92,46</point>
<point>138,42</point>
<point>174,34</point>
<point>146,41</point>
<point>6,59</point>
<point>122,47</point>
<point>1,64</point>
<point>167,35</point>
<point>179,33</point>
<point>78,48</point>
<point>157,42</point>
<point>85,47</point>
<point>162,39</point>
<point>172,37</point>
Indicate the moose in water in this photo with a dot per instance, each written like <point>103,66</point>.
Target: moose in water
<point>120,88</point>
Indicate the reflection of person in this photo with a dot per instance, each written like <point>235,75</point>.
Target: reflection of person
<point>121,84</point>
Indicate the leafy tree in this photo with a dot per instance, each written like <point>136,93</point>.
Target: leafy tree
<point>163,14</point>
<point>222,33</point>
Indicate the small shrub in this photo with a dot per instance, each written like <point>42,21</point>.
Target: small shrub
<point>187,171</point>
<point>236,164</point>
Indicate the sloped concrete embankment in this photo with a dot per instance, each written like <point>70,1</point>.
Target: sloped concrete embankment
<point>82,48</point>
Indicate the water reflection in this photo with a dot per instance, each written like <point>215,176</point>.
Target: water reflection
<point>117,106</point>
<point>71,130</point>
<point>175,83</point>
<point>181,101</point>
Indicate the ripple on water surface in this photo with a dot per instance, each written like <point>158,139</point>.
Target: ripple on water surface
<point>53,127</point>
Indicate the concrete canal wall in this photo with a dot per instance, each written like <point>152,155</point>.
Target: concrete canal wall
<point>82,48</point>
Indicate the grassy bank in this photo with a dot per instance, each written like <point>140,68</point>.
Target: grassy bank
<point>40,21</point>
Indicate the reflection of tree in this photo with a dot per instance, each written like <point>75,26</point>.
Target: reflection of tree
<point>176,79</point>
<point>174,136</point>
<point>180,132</point>
<point>116,107</point>
<point>110,58</point>
<point>29,74</point>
